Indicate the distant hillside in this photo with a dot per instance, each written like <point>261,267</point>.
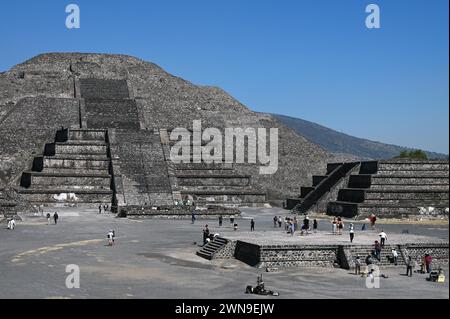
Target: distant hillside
<point>340,143</point>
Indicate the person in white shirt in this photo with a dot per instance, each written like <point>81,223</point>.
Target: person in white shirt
<point>394,256</point>
<point>383,238</point>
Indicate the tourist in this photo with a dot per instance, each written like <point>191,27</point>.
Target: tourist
<point>100,208</point>
<point>252,225</point>
<point>280,221</point>
<point>12,224</point>
<point>275,220</point>
<point>205,234</point>
<point>428,261</point>
<point>235,227</point>
<point>340,226</point>
<point>315,225</point>
<point>363,228</point>
<point>334,225</point>
<point>351,230</point>
<point>377,250</point>
<point>357,265</point>
<point>193,218</point>
<point>113,236</point>
<point>369,260</point>
<point>48,218</point>
<point>295,223</point>
<point>220,220</point>
<point>232,219</point>
<point>383,238</point>
<point>394,255</point>
<point>110,236</point>
<point>372,219</point>
<point>306,223</point>
<point>409,266</point>
<point>105,208</point>
<point>55,217</point>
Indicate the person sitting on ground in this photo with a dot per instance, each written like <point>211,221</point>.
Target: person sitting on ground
<point>369,260</point>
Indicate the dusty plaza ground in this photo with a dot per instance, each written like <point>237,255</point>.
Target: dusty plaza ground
<point>155,258</point>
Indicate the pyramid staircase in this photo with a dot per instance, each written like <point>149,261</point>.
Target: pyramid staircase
<point>210,184</point>
<point>74,169</point>
<point>321,186</point>
<point>210,249</point>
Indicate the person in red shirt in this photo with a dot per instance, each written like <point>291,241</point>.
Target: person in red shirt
<point>428,261</point>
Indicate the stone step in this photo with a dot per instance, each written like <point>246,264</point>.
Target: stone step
<point>76,171</point>
<point>359,195</point>
<point>207,188</point>
<point>80,157</point>
<point>93,135</point>
<point>44,180</point>
<point>413,165</point>
<point>203,166</point>
<point>409,180</point>
<point>75,148</point>
<point>51,162</point>
<point>419,188</point>
<point>205,172</point>
<point>211,180</point>
<point>57,195</point>
<point>408,202</point>
<point>415,173</point>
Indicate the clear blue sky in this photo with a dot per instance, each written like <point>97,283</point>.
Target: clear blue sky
<point>310,59</point>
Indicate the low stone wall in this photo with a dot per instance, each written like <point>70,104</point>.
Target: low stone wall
<point>176,212</point>
<point>321,255</point>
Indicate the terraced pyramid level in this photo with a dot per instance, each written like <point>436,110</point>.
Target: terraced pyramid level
<point>212,183</point>
<point>71,171</point>
<point>395,188</point>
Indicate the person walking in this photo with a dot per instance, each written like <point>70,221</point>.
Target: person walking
<point>220,220</point>
<point>315,225</point>
<point>205,234</point>
<point>377,250</point>
<point>340,225</point>
<point>351,230</point>
<point>48,218</point>
<point>12,224</point>
<point>275,220</point>
<point>306,223</point>
<point>394,254</point>
<point>55,217</point>
<point>357,266</point>
<point>232,219</point>
<point>334,226</point>
<point>100,208</point>
<point>383,238</point>
<point>280,221</point>
<point>252,225</point>
<point>409,266</point>
<point>193,218</point>
<point>372,219</point>
<point>428,261</point>
<point>110,236</point>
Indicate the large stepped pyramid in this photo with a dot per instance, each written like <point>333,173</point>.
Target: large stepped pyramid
<point>73,169</point>
<point>391,188</point>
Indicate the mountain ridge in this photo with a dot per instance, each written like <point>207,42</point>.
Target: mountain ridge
<point>342,143</point>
